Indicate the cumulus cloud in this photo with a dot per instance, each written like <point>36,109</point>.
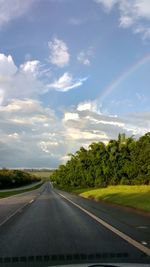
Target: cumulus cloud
<point>84,57</point>
<point>29,135</point>
<point>20,82</point>
<point>32,135</point>
<point>66,82</point>
<point>59,54</point>
<point>88,105</point>
<point>30,79</point>
<point>133,14</point>
<point>86,124</point>
<point>71,116</point>
<point>10,10</point>
<point>31,66</point>
<point>7,66</point>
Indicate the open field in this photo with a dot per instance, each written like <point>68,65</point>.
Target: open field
<point>136,196</point>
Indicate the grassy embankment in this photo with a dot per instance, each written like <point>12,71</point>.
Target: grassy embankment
<point>135,196</point>
<point>11,193</point>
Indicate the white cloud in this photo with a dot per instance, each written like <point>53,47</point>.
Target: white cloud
<point>27,111</point>
<point>20,82</point>
<point>71,116</point>
<point>59,54</point>
<point>134,14</point>
<point>79,135</point>
<point>7,66</point>
<point>10,10</point>
<point>33,136</point>
<point>85,124</point>
<point>30,79</point>
<point>24,141</point>
<point>31,66</point>
<point>108,4</point>
<point>126,22</point>
<point>84,56</point>
<point>88,105</point>
<point>66,83</point>
<point>1,96</point>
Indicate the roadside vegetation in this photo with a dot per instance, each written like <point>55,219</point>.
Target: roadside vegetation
<point>16,178</point>
<point>11,193</point>
<point>125,161</point>
<point>132,196</point>
<point>112,172</point>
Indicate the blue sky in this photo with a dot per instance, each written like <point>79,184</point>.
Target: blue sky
<point>71,73</point>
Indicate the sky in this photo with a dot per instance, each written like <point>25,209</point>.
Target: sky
<point>72,72</point>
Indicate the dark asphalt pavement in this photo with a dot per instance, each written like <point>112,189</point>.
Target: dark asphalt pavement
<point>50,225</point>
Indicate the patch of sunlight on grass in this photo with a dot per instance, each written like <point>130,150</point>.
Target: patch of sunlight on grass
<point>132,196</point>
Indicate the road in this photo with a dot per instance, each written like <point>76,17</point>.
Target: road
<point>21,187</point>
<point>48,222</point>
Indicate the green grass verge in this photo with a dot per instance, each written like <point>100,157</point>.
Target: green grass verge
<point>136,196</point>
<point>11,193</point>
<point>76,190</point>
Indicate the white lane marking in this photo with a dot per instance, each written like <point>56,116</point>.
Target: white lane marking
<point>14,213</point>
<point>51,184</point>
<point>142,227</point>
<point>144,242</point>
<point>111,228</point>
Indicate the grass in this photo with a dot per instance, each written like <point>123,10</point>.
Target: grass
<point>136,196</point>
<point>76,190</point>
<point>11,193</point>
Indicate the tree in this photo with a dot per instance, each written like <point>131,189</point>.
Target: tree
<point>125,161</point>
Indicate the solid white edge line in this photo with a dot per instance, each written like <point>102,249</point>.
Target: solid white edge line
<point>111,228</point>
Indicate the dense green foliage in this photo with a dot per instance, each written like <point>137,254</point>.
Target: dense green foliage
<point>122,161</point>
<point>15,178</point>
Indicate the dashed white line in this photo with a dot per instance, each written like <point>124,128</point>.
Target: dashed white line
<point>13,214</point>
<point>144,243</point>
<point>142,227</point>
<point>17,211</point>
<point>113,229</point>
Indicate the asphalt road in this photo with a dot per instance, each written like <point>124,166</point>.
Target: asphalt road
<point>42,223</point>
<point>21,187</point>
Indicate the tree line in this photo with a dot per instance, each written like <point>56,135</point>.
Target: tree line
<point>15,178</point>
<point>123,161</point>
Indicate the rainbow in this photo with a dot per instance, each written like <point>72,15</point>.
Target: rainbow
<point>112,86</point>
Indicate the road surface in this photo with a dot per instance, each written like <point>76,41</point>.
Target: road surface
<point>48,223</point>
<point>21,187</point>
